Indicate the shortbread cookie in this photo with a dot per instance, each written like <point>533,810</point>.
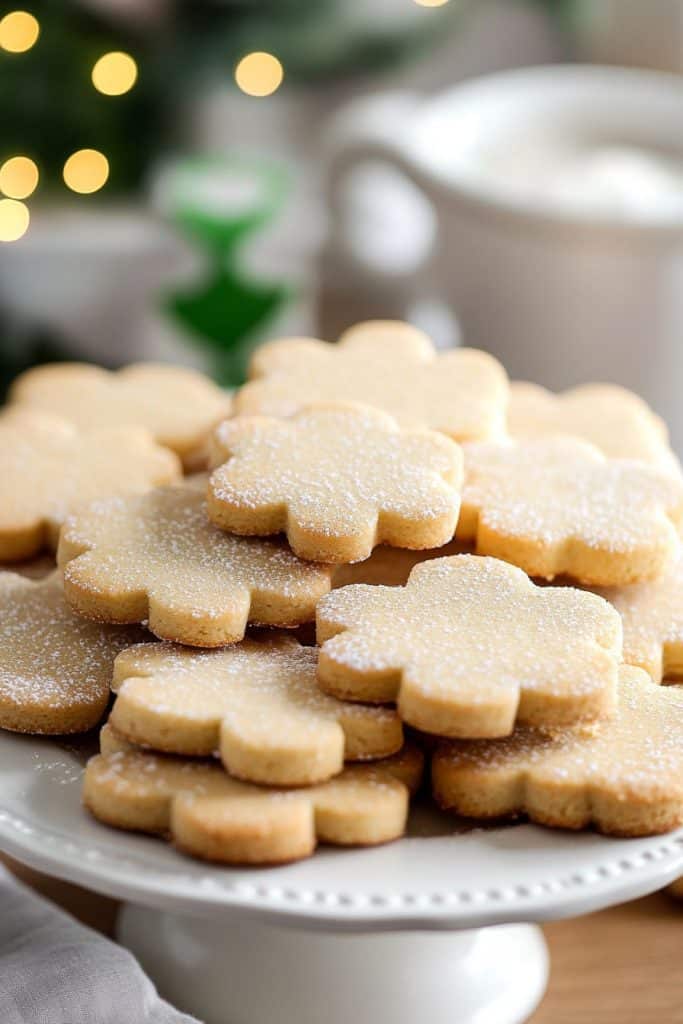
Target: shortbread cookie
<point>155,558</point>
<point>257,703</point>
<point>557,506</point>
<point>615,420</point>
<point>338,479</point>
<point>208,814</point>
<point>387,364</point>
<point>55,667</point>
<point>624,776</point>
<point>469,647</point>
<point>47,469</point>
<point>652,617</point>
<point>391,567</point>
<point>177,405</point>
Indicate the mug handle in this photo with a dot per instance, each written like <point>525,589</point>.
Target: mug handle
<point>373,129</point>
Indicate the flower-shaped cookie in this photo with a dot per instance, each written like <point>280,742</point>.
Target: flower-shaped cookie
<point>624,776</point>
<point>177,405</point>
<point>469,647</point>
<point>338,479</point>
<point>257,703</point>
<point>556,506</point>
<point>55,667</point>
<point>615,420</point>
<point>652,617</point>
<point>388,364</point>
<point>155,558</point>
<point>47,469</point>
<point>210,815</point>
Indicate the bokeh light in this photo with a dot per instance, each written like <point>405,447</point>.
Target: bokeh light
<point>431,3</point>
<point>18,31</point>
<point>14,220</point>
<point>18,177</point>
<point>259,74</point>
<point>86,171</point>
<point>114,73</point>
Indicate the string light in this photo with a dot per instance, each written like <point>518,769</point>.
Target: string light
<point>18,177</point>
<point>14,220</point>
<point>86,171</point>
<point>259,74</point>
<point>18,31</point>
<point>114,73</point>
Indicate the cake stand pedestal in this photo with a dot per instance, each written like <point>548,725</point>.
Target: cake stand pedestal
<point>440,926</point>
<point>228,972</point>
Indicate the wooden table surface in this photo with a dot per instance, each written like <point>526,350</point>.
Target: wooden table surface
<point>620,966</point>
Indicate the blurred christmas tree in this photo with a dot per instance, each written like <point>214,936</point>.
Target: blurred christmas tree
<point>49,107</point>
<point>57,110</point>
<point>325,39</point>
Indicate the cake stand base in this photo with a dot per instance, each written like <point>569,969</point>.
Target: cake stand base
<point>234,970</point>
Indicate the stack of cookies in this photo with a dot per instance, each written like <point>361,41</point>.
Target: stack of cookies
<point>415,506</point>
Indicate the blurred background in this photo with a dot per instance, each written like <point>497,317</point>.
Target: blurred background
<point>181,179</point>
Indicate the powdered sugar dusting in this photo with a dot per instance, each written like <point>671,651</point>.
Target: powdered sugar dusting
<point>465,627</point>
<point>264,690</point>
<point>51,660</point>
<point>337,469</point>
<point>163,544</point>
<point>556,490</point>
<point>652,616</point>
<point>463,393</point>
<point>47,470</point>
<point>138,775</point>
<point>638,752</point>
<point>177,405</point>
<point>617,421</point>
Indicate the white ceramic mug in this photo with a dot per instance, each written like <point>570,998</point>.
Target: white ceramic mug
<point>559,293</point>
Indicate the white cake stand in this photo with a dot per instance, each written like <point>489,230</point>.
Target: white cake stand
<point>401,933</point>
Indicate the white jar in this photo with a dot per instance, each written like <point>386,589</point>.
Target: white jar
<point>561,292</point>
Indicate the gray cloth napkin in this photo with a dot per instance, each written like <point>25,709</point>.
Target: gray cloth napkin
<point>54,970</point>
